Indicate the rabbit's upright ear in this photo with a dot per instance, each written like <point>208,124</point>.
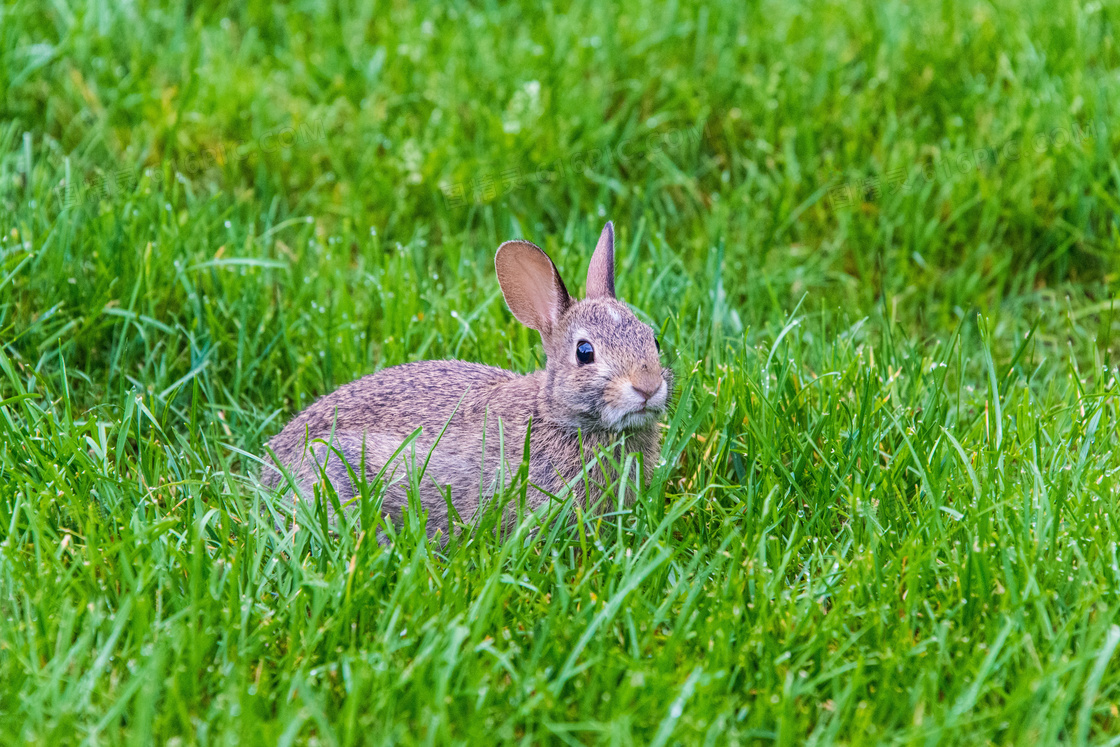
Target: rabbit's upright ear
<point>600,273</point>
<point>532,286</point>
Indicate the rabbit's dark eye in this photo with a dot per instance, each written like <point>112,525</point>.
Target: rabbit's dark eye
<point>584,352</point>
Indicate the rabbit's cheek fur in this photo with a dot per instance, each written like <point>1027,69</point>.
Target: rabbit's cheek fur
<point>579,396</point>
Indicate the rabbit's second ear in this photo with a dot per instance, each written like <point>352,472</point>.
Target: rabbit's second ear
<point>532,286</point>
<point>600,273</point>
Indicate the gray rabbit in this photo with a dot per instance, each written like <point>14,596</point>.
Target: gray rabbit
<point>603,380</point>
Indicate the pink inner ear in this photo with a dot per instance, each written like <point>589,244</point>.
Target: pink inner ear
<point>600,272</point>
<point>533,289</point>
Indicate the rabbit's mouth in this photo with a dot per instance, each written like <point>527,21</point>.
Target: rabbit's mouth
<point>632,418</point>
<point>637,419</point>
<point>630,408</point>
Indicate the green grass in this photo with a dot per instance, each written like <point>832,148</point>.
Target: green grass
<point>888,506</point>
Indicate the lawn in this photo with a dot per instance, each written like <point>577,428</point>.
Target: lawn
<point>880,242</point>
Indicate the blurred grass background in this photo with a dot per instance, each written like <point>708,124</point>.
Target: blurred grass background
<point>879,240</point>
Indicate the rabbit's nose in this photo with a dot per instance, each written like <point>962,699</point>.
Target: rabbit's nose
<point>646,385</point>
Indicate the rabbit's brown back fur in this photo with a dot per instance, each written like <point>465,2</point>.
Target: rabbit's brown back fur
<point>483,412</point>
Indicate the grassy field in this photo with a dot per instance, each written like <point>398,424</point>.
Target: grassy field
<point>880,242</point>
